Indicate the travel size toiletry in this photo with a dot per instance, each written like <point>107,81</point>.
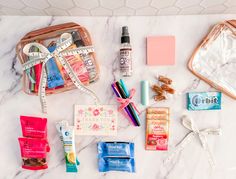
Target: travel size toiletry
<point>125,53</point>
<point>87,58</point>
<point>157,128</point>
<point>203,101</point>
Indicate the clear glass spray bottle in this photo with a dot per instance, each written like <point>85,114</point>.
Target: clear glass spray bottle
<point>125,53</point>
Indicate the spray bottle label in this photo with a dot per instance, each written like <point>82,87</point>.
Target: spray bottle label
<point>125,61</point>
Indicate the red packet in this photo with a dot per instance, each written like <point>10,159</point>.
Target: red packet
<point>33,153</point>
<point>34,127</point>
<point>78,67</point>
<point>157,129</point>
<point>38,70</point>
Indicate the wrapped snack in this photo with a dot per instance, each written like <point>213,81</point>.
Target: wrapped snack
<point>157,89</point>
<point>159,98</point>
<point>157,128</point>
<point>116,149</point>
<point>158,116</point>
<point>165,80</point>
<point>68,135</point>
<point>168,89</point>
<point>204,101</point>
<point>116,164</point>
<point>34,127</point>
<point>163,89</point>
<point>60,125</point>
<point>154,110</point>
<point>33,153</point>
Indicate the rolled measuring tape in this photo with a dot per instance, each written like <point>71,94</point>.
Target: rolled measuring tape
<point>144,92</point>
<point>44,55</point>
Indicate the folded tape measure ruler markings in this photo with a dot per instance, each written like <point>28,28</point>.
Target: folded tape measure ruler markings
<point>44,55</point>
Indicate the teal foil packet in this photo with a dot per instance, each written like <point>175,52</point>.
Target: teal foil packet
<point>203,101</point>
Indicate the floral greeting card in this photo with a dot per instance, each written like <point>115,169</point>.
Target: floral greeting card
<point>95,120</point>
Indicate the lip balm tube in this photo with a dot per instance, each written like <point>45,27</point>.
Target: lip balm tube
<point>144,92</point>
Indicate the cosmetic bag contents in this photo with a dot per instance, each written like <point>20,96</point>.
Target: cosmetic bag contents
<point>162,88</point>
<point>203,101</point>
<point>34,144</point>
<point>157,128</point>
<point>96,120</point>
<point>54,77</point>
<point>124,97</point>
<point>116,156</point>
<point>68,145</point>
<point>56,59</point>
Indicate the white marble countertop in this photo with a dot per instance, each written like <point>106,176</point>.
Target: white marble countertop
<point>105,31</point>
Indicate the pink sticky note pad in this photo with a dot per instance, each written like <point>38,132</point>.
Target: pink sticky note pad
<point>161,50</point>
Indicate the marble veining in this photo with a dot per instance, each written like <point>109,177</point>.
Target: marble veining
<point>191,163</point>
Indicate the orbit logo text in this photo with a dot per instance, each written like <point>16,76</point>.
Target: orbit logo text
<point>200,100</point>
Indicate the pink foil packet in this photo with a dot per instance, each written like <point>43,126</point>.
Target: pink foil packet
<point>33,153</point>
<point>34,127</point>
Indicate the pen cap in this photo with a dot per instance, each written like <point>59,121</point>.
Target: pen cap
<point>144,92</point>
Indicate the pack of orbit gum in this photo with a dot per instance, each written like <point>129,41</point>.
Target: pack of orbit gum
<point>203,101</point>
